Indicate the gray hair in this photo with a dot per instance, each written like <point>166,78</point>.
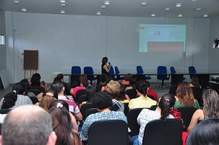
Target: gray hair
<point>26,125</point>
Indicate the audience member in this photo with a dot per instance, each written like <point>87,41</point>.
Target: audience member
<point>143,101</point>
<point>113,88</point>
<point>83,84</point>
<point>102,101</point>
<point>210,110</point>
<point>184,96</point>
<point>46,100</point>
<point>58,88</point>
<point>206,133</point>
<point>66,85</point>
<point>28,125</point>
<point>36,86</point>
<point>150,92</point>
<point>163,111</point>
<point>64,124</point>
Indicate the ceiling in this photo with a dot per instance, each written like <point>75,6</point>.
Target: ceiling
<point>129,8</point>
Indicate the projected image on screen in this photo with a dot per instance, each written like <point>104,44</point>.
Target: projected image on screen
<point>162,38</point>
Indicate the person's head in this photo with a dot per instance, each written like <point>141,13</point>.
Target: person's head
<point>18,88</point>
<point>102,100</point>
<point>61,122</point>
<point>104,60</point>
<point>46,100</point>
<point>28,125</point>
<point>166,102</point>
<point>83,80</point>
<point>60,76</point>
<point>141,87</point>
<point>211,103</point>
<point>185,94</point>
<point>148,84</point>
<point>56,79</point>
<point>58,87</point>
<point>35,79</point>
<point>195,80</point>
<point>113,88</point>
<point>26,85</point>
<point>128,77</point>
<point>9,100</point>
<point>205,133</point>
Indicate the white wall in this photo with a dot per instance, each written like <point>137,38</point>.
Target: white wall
<point>66,40</point>
<point>213,53</point>
<point>2,47</point>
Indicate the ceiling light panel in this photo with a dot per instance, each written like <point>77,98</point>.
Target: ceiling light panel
<point>178,5</point>
<point>107,2</point>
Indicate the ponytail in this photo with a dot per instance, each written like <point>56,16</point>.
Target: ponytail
<point>166,102</point>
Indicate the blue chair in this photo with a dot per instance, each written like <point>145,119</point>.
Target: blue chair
<point>141,74</point>
<point>172,70</point>
<point>111,72</point>
<point>162,74</point>
<point>76,70</point>
<point>88,70</point>
<point>192,71</point>
<point>117,73</point>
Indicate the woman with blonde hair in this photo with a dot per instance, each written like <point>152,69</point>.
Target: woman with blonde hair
<point>184,96</point>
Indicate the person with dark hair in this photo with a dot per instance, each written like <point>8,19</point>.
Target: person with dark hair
<point>105,67</point>
<point>64,124</point>
<point>184,96</point>
<point>151,93</point>
<point>163,111</point>
<point>27,125</point>
<point>60,77</point>
<point>143,101</point>
<point>102,101</point>
<point>59,89</point>
<point>36,85</point>
<point>21,99</point>
<point>205,133</point>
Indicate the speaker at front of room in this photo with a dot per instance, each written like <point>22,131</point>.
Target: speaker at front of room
<point>30,59</point>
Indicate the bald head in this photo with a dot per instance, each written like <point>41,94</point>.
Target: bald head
<point>26,125</point>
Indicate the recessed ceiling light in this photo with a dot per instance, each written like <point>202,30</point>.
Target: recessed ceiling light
<point>107,2</point>
<point>62,1</point>
<point>98,13</point>
<point>178,5</point>
<point>63,4</point>
<point>143,3</point>
<point>153,15</point>
<point>23,9</point>
<point>103,6</point>
<point>198,9</point>
<point>167,9</point>
<point>180,15</point>
<point>205,16</point>
<point>16,1</point>
<point>62,11</point>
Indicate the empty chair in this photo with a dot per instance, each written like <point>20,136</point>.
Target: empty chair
<point>186,113</point>
<point>140,73</point>
<point>108,132</point>
<point>192,70</point>
<point>172,70</point>
<point>88,70</point>
<point>162,74</point>
<point>76,70</point>
<point>132,121</point>
<point>163,132</point>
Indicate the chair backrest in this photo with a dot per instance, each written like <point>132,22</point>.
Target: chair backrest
<point>197,92</point>
<point>88,70</point>
<point>89,112</point>
<point>172,70</point>
<point>117,70</point>
<point>85,107</point>
<point>162,73</point>
<point>160,132</point>
<point>108,132</point>
<point>132,121</point>
<point>126,108</point>
<point>186,114</point>
<point>76,70</point>
<point>192,70</point>
<point>111,71</point>
<point>139,70</point>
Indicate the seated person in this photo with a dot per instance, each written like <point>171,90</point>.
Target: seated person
<point>36,86</point>
<point>163,111</point>
<point>151,92</point>
<point>143,101</point>
<point>102,101</point>
<point>184,96</point>
<point>205,133</point>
